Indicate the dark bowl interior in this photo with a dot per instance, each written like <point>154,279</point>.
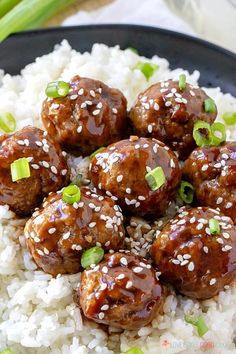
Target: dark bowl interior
<point>217,65</point>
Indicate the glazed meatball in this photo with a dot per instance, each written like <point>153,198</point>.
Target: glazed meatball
<point>57,234</point>
<point>122,291</point>
<point>91,116</point>
<point>120,170</point>
<point>48,169</point>
<point>166,113</point>
<point>197,261</point>
<point>212,171</point>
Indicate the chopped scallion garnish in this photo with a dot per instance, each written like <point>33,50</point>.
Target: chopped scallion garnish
<point>229,118</point>
<point>218,133</point>
<point>134,350</point>
<point>71,194</point>
<point>182,81</point>
<point>198,322</point>
<point>7,122</point>
<point>202,133</point>
<point>57,89</point>
<point>93,255</point>
<point>20,169</point>
<point>209,105</point>
<point>155,178</point>
<point>148,69</point>
<point>96,152</point>
<point>214,226</point>
<point>186,192</point>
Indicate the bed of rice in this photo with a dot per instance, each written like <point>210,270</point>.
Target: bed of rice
<point>37,314</point>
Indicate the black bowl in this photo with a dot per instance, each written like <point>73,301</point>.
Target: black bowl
<point>217,65</point>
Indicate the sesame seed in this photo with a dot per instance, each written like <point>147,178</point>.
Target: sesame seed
<point>66,235</point>
<point>73,97</point>
<point>105,307</point>
<point>212,281</point>
<point>219,240</point>
<point>103,286</point>
<point>46,251</point>
<point>184,262</point>
<point>228,247</point>
<point>192,93</point>
<point>168,103</point>
<point>35,166</point>
<point>228,205</point>
<point>204,167</point>
<point>141,197</point>
<point>64,172</point>
<point>137,269</point>
<point>219,200</point>
<point>120,276</point>
<point>105,269</point>
<point>81,92</point>
<point>101,315</point>
<point>128,190</point>
<point>92,224</point>
<point>124,261</point>
<point>99,105</point>
<point>226,235</point>
<point>83,105</point>
<point>149,128</point>
<point>92,93</point>
<point>199,226</point>
<point>175,261</point>
<point>186,256</point>
<point>129,284</point>
<point>191,266</point>
<point>156,106</point>
<point>114,110</point>
<point>96,112</point>
<point>205,249</point>
<point>79,129</point>
<point>40,252</point>
<point>192,220</point>
<point>39,143</point>
<point>54,170</point>
<point>45,164</point>
<point>52,230</point>
<point>119,178</point>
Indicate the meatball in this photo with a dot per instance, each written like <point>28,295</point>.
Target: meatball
<point>122,291</point>
<point>197,261</point>
<point>121,168</point>
<point>48,169</point>
<point>165,112</point>
<point>212,171</point>
<point>57,234</point>
<point>90,116</point>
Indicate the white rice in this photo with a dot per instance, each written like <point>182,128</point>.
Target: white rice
<point>37,313</point>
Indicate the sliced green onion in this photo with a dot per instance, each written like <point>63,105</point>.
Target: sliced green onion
<point>30,13</point>
<point>186,192</point>
<point>7,122</point>
<point>218,132</point>
<point>7,351</point>
<point>96,152</point>
<point>7,5</point>
<point>198,322</point>
<point>182,81</point>
<point>209,105</point>
<point>20,169</point>
<point>57,89</point>
<point>148,69</point>
<point>229,118</point>
<point>71,194</point>
<point>202,133</point>
<point>214,226</point>
<point>134,350</point>
<point>134,50</point>
<point>155,178</point>
<point>93,255</point>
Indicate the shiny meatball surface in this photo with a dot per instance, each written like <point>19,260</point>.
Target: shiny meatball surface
<point>212,171</point>
<point>197,263</point>
<point>57,234</point>
<point>120,170</point>
<point>90,116</point>
<point>166,113</point>
<point>122,291</point>
<point>48,168</point>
